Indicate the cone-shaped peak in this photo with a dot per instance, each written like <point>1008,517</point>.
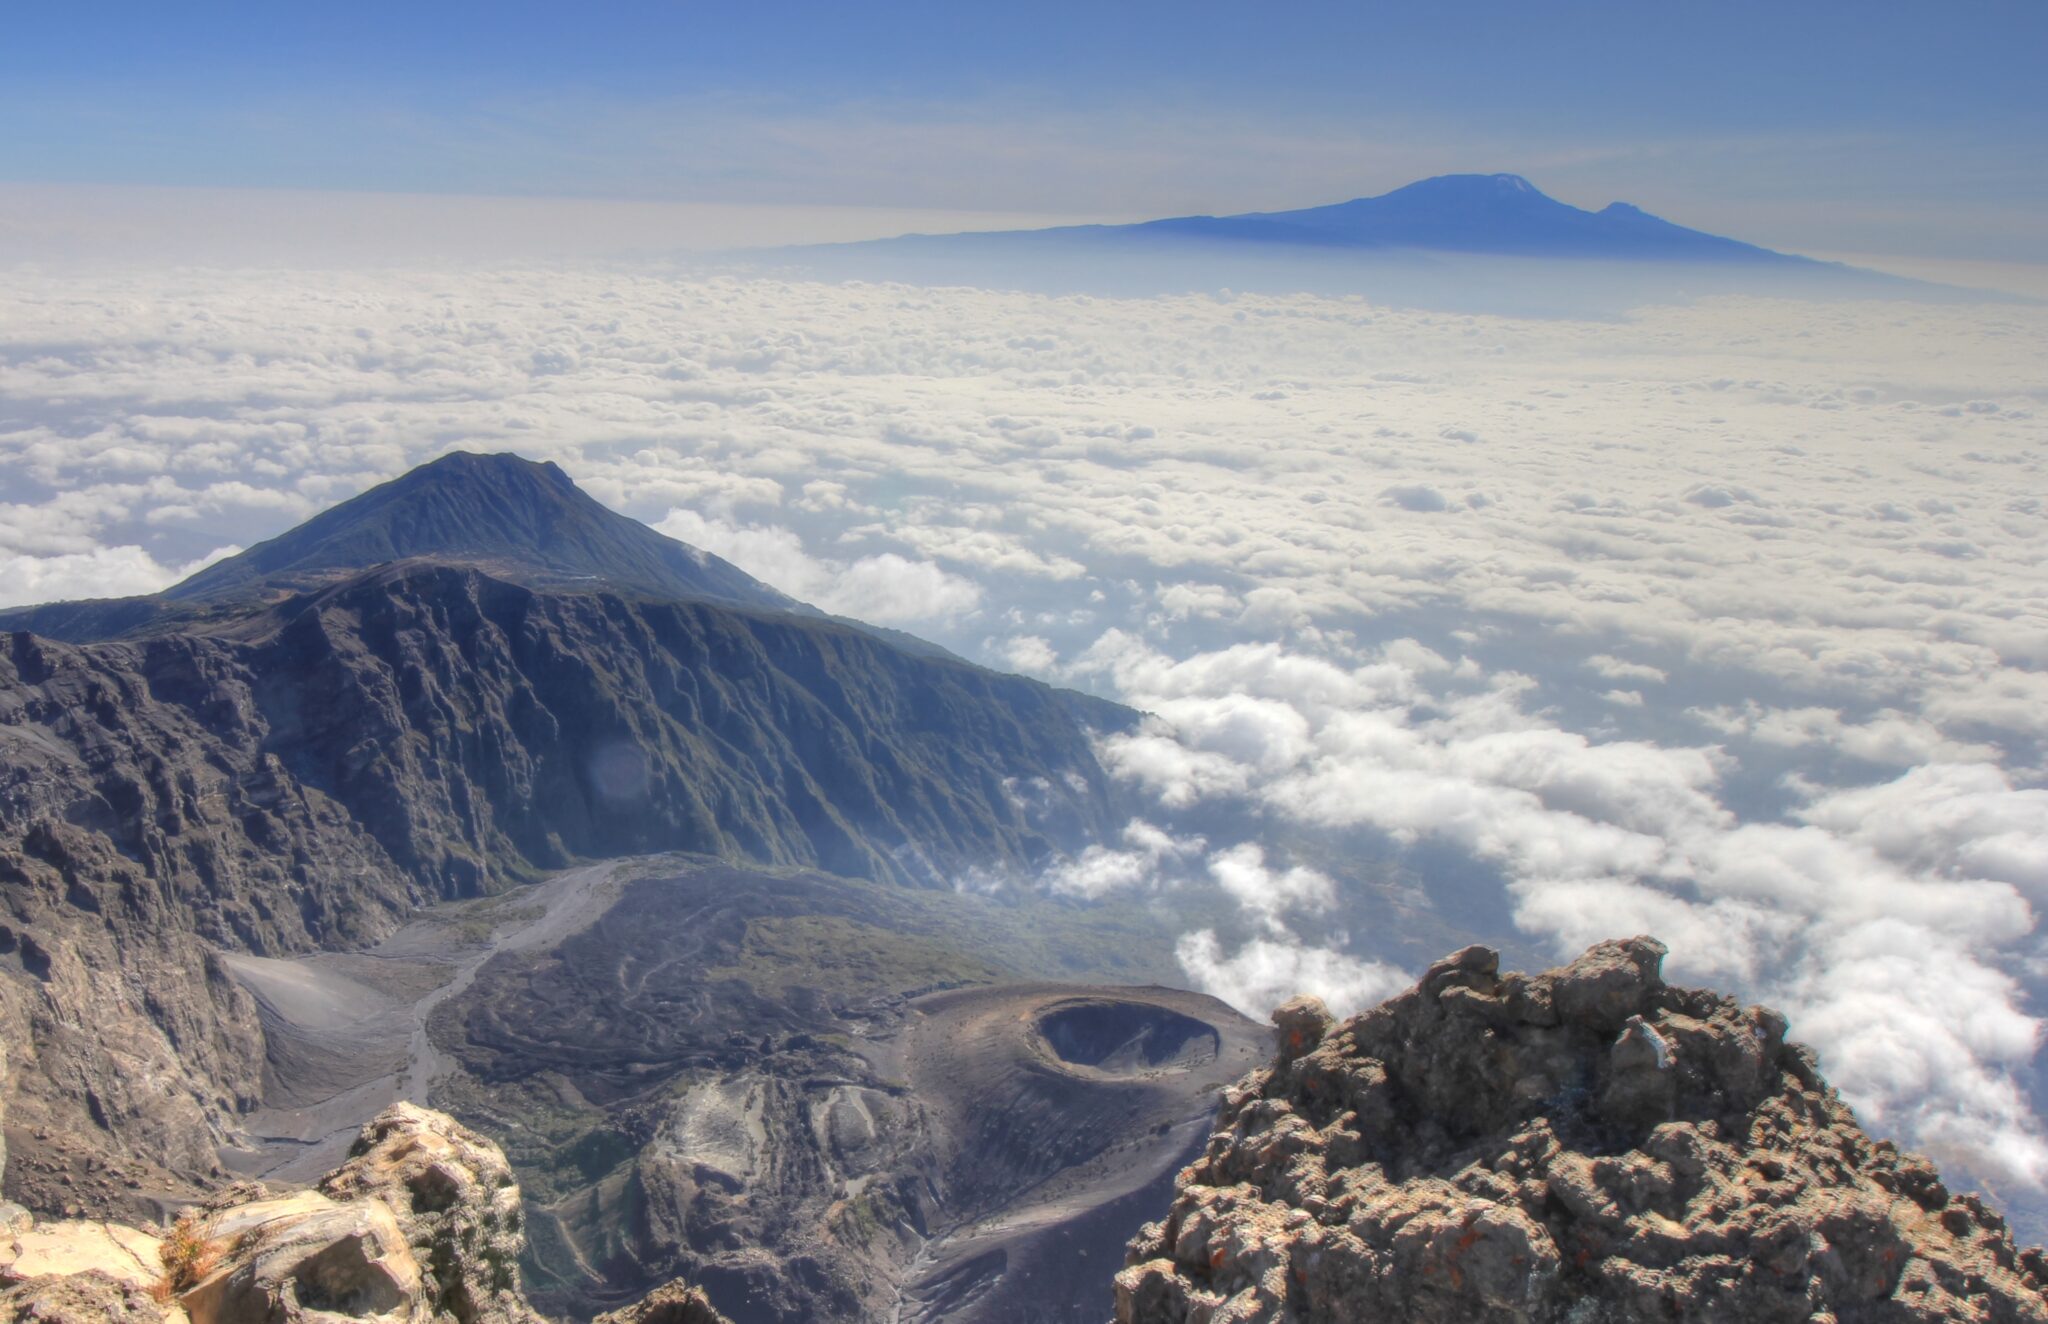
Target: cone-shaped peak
<point>518,518</point>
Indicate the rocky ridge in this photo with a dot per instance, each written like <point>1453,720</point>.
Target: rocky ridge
<point>420,1226</point>
<point>1589,1144</point>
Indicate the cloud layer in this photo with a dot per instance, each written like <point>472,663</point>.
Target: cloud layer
<point>1727,622</point>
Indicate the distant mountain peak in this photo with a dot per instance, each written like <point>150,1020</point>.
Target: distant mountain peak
<point>1502,214</point>
<point>518,518</point>
<point>458,466</point>
<point>1499,213</point>
<point>1495,183</point>
<point>543,479</point>
<point>455,462</point>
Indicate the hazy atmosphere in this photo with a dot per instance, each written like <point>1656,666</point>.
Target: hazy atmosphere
<point>1464,613</point>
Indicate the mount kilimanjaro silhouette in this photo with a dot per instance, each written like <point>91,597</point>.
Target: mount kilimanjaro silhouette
<point>1473,243</point>
<point>1503,214</point>
<point>1495,214</point>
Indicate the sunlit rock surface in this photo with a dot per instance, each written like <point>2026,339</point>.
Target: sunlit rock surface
<point>1588,1144</point>
<point>420,1226</point>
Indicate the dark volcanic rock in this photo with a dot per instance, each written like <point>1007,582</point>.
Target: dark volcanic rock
<point>426,731</point>
<point>1589,1144</point>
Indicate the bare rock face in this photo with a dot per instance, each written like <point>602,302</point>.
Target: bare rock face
<point>11,1214</point>
<point>1587,1145</point>
<point>456,1204</point>
<point>75,1272</point>
<point>420,1226</point>
<point>69,1246</point>
<point>303,1257</point>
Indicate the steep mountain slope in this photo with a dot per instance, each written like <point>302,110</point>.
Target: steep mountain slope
<point>426,730</point>
<point>1589,1144</point>
<point>515,519</point>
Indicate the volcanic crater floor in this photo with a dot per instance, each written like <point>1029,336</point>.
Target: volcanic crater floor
<point>819,1098</point>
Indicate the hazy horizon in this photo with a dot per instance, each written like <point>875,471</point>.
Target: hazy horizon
<point>1792,129</point>
<point>42,224</point>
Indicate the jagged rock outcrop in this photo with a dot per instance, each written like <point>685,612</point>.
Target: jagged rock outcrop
<point>280,1259</point>
<point>456,1203</point>
<point>420,1226</point>
<point>1585,1145</point>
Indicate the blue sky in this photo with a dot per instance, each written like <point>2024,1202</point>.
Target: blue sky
<point>1893,127</point>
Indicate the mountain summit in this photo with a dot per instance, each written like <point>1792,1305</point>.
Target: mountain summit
<point>1503,214</point>
<point>516,518</point>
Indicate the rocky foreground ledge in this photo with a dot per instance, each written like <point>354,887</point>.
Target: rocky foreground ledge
<point>1587,1145</point>
<point>420,1226</point>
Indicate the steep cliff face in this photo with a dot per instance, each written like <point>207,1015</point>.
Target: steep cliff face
<point>467,721</point>
<point>428,731</point>
<point>1585,1145</point>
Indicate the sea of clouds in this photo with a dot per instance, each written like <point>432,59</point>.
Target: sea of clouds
<point>1724,622</point>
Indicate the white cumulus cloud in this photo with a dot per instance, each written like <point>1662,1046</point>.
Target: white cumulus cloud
<point>886,588</point>
<point>1265,972</point>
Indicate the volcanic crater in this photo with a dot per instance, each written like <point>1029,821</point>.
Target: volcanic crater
<point>1115,1037</point>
